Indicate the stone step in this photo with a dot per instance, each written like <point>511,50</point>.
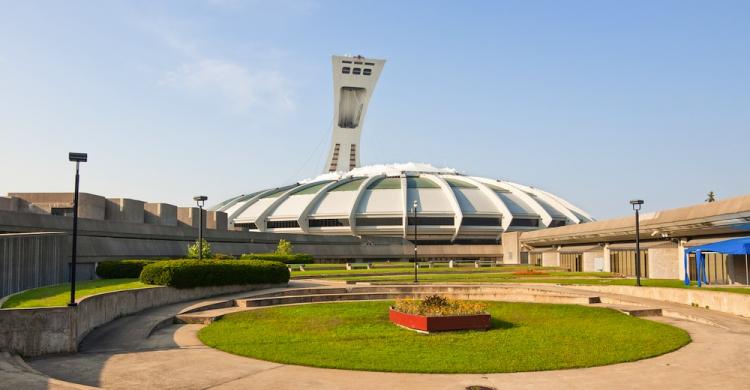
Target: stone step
<point>356,296</point>
<point>637,311</point>
<point>215,311</point>
<point>643,312</point>
<point>205,317</point>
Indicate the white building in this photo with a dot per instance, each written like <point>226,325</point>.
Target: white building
<point>378,200</point>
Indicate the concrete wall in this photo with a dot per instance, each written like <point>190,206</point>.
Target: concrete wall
<point>663,263</point>
<point>35,332</point>
<point>188,216</point>
<point>89,205</point>
<point>590,260</point>
<point>160,214</point>
<point>216,220</point>
<point>32,260</point>
<point>551,259</point>
<point>125,210</point>
<point>511,248</point>
<point>732,303</point>
<point>8,203</point>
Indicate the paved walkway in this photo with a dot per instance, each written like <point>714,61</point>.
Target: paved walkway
<point>118,357</point>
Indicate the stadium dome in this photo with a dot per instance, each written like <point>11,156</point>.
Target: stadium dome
<point>378,200</point>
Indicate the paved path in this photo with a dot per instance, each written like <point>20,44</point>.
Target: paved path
<point>118,357</point>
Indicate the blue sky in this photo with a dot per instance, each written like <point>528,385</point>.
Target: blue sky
<point>598,102</point>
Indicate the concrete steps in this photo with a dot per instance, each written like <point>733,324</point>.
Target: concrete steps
<point>215,310</point>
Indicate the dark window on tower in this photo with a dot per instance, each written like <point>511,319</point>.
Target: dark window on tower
<point>346,70</point>
<point>556,223</point>
<point>356,71</point>
<point>369,63</point>
<point>346,62</point>
<point>367,72</point>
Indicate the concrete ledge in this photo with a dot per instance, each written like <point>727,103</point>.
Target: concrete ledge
<point>725,302</point>
<point>39,331</point>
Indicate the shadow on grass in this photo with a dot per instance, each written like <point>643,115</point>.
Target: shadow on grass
<point>500,324</point>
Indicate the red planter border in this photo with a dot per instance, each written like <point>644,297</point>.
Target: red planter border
<point>429,324</point>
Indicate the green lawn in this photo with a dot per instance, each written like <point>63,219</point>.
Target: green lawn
<point>524,337</point>
<point>59,295</point>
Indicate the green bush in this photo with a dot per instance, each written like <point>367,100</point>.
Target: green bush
<point>192,251</point>
<point>295,258</point>
<point>201,273</point>
<point>284,248</point>
<point>223,256</point>
<point>119,269</point>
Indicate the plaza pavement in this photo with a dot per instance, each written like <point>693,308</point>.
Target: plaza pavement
<point>126,355</point>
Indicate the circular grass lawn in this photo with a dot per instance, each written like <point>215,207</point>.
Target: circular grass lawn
<point>524,337</point>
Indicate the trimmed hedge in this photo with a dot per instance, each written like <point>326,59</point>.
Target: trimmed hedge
<point>202,273</point>
<point>295,258</point>
<point>119,269</point>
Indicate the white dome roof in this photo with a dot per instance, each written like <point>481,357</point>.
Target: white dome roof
<point>378,200</point>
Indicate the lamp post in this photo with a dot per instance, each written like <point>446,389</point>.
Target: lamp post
<point>637,203</point>
<point>78,158</point>
<point>200,200</point>
<point>416,266</point>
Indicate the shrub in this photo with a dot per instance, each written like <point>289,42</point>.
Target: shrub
<point>121,268</point>
<point>201,273</point>
<point>295,258</point>
<point>284,248</point>
<point>436,305</point>
<point>192,252</point>
<point>222,256</point>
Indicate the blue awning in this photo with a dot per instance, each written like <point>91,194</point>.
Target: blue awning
<point>736,246</point>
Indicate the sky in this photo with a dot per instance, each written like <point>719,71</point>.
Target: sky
<point>597,102</point>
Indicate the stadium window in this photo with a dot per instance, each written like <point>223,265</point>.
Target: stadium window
<point>367,72</point>
<point>356,71</point>
<point>481,221</point>
<point>247,225</point>
<point>282,224</point>
<point>524,222</point>
<point>345,70</point>
<point>328,222</point>
<point>382,221</point>
<point>432,221</point>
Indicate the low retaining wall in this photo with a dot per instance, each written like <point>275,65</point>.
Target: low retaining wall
<point>732,303</point>
<point>39,331</point>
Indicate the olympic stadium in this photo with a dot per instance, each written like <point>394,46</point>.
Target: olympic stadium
<point>380,200</point>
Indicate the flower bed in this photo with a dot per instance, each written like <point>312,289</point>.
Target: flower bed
<point>439,314</point>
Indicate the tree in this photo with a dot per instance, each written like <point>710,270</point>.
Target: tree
<point>192,252</point>
<point>284,247</point>
<point>711,197</point>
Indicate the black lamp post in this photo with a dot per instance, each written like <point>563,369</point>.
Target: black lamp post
<point>78,158</point>
<point>637,203</point>
<point>200,200</point>
<point>416,222</point>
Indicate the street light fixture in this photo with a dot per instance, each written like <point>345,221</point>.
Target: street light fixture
<point>200,200</point>
<point>416,266</point>
<point>77,158</point>
<point>637,203</point>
